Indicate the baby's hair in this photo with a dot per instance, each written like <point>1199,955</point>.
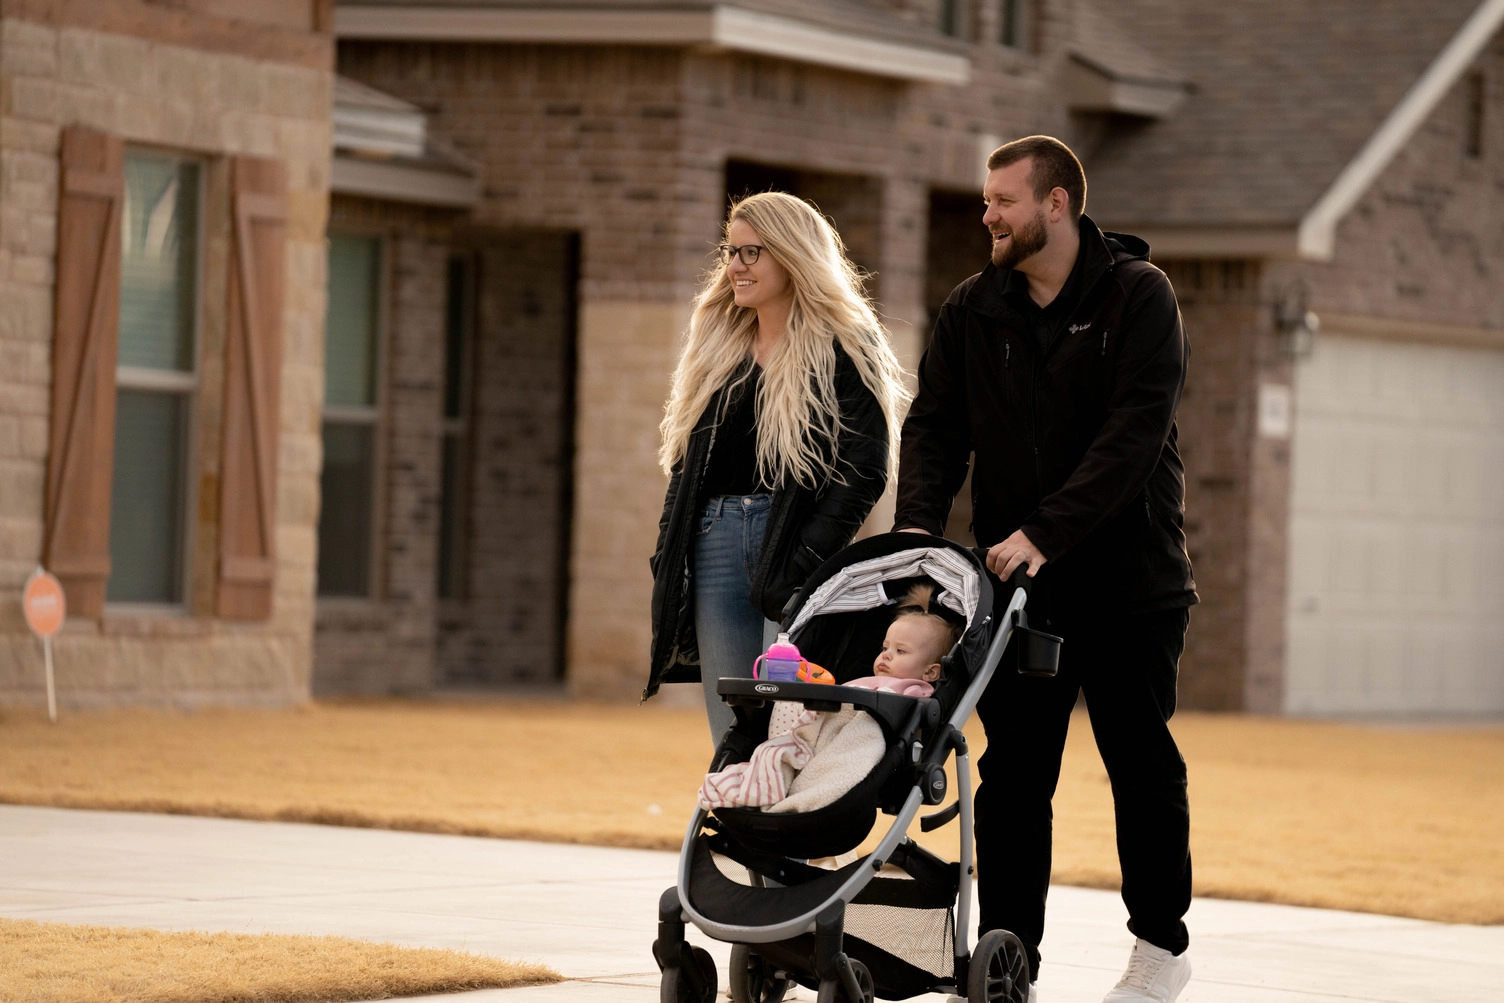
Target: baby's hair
<point>918,601</point>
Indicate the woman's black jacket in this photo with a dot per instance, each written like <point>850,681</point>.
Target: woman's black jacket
<point>805,525</point>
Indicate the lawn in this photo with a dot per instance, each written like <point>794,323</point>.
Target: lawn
<point>1399,820</point>
<point>64,963</point>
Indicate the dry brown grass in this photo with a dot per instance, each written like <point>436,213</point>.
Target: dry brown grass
<point>60,963</point>
<point>1400,821</point>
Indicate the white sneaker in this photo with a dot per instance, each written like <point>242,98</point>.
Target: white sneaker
<point>1153,974</point>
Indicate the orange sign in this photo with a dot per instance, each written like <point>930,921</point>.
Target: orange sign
<point>42,602</point>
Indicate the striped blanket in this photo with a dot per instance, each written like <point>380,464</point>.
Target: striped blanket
<point>810,758</point>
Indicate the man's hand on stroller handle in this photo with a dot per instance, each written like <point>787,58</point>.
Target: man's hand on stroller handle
<point>1003,558</point>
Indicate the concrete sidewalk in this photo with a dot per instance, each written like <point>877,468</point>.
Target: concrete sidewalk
<point>589,912</point>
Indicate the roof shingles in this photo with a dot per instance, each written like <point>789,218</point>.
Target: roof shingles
<point>1285,93</point>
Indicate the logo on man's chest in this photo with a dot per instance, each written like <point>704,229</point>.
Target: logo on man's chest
<point>1078,328</point>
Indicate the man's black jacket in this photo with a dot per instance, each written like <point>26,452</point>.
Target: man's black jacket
<point>805,525</point>
<point>1074,443</point>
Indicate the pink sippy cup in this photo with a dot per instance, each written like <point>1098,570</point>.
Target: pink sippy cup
<point>780,663</point>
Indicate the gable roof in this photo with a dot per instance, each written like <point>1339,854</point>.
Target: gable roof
<point>1286,96</point>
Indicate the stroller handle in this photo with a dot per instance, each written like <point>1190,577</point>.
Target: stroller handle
<point>1018,580</point>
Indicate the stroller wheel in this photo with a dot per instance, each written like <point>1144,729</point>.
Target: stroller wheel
<point>832,991</point>
<point>999,970</point>
<point>752,978</point>
<point>693,980</point>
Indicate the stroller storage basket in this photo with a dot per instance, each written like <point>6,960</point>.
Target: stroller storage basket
<point>900,928</point>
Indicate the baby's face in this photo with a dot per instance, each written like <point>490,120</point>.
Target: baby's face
<point>911,650</point>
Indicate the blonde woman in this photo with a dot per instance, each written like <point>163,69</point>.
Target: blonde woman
<point>779,436</point>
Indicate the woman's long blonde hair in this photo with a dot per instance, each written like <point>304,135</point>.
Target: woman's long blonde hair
<point>798,415</point>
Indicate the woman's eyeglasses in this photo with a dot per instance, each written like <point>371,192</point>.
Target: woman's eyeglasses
<point>748,253</point>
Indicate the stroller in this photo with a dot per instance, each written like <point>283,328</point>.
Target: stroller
<point>863,931</point>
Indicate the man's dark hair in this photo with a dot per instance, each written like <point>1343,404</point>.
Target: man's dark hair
<point>1055,166</point>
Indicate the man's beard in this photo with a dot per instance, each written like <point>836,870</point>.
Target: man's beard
<point>1024,243</point>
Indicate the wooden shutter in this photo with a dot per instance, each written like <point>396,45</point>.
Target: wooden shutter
<point>80,460</point>
<point>253,369</point>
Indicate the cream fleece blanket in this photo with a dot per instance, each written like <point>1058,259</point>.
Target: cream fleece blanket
<point>811,758</point>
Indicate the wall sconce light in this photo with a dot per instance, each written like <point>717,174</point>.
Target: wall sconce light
<point>1296,323</point>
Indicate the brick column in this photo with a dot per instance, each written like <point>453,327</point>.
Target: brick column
<point>1232,533</point>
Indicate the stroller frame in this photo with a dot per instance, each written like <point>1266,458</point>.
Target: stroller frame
<point>685,976</point>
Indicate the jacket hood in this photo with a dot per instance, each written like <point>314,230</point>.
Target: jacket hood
<point>1103,249</point>
<point>1125,246</point>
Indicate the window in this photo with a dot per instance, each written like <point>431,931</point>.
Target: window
<point>459,312</point>
<point>351,417</point>
<point>1013,23</point>
<point>156,378</point>
<point>950,17</point>
<point>1472,129</point>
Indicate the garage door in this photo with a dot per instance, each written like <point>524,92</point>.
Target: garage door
<point>1396,586</point>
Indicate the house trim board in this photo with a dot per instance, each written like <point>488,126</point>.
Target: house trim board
<point>401,182</point>
<point>1414,331</point>
<point>721,27</point>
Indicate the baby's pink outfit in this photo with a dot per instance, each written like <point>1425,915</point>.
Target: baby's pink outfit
<point>794,736</point>
<point>893,684</point>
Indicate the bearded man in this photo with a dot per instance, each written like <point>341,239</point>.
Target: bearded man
<point>1060,367</point>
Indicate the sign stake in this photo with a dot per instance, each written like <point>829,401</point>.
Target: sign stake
<point>51,689</point>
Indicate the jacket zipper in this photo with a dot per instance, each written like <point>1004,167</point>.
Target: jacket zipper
<point>1034,387</point>
<point>694,516</point>
<point>1034,423</point>
<point>1007,354</point>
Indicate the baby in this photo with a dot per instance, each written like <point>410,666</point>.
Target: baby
<point>917,639</point>
<point>811,758</point>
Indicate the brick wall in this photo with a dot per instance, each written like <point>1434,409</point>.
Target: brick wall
<point>212,103</point>
<point>386,643</point>
<point>628,147</point>
<point>507,626</point>
<point>1230,338</point>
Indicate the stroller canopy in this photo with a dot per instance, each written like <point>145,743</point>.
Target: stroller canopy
<point>859,586</point>
<point>845,606</point>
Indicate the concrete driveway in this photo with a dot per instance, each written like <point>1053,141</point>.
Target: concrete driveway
<point>590,912</point>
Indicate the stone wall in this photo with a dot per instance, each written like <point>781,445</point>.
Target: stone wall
<point>212,101</point>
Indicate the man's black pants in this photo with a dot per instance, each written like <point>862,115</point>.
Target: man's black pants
<point>1126,668</point>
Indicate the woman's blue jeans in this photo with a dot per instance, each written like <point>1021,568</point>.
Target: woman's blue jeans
<point>731,631</point>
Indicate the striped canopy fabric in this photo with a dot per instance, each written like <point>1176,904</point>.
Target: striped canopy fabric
<point>860,586</point>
